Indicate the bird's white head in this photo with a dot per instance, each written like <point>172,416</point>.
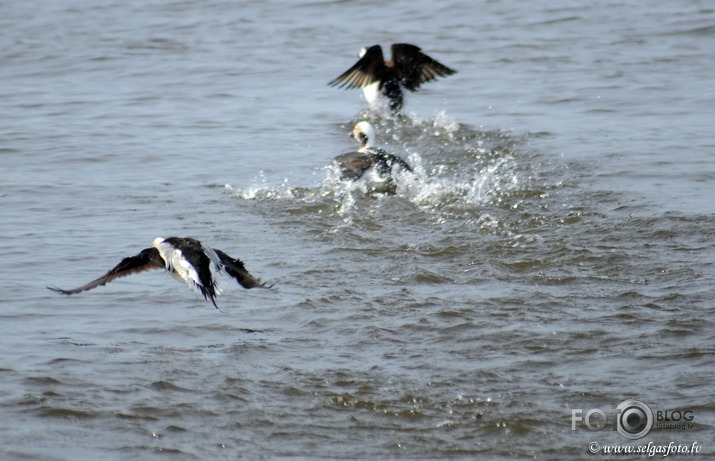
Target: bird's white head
<point>362,52</point>
<point>364,133</point>
<point>156,242</point>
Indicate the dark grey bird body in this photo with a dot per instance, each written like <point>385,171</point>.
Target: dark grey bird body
<point>355,165</point>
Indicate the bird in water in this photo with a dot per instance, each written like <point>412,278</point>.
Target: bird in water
<point>382,81</point>
<point>369,159</point>
<point>187,260</point>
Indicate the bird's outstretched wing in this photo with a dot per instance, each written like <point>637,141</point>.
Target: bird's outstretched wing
<point>369,69</point>
<point>354,164</point>
<point>237,270</point>
<point>146,260</point>
<point>414,68</point>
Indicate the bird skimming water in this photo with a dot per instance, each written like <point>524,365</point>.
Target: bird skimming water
<point>186,259</point>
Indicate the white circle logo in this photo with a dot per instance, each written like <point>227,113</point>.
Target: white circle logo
<point>634,420</point>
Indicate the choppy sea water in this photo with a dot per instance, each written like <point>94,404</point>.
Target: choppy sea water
<point>553,251</point>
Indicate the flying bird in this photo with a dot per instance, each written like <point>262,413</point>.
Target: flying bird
<point>186,259</point>
<point>382,81</point>
<point>368,158</point>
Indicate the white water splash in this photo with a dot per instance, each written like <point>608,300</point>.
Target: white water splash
<point>456,170</point>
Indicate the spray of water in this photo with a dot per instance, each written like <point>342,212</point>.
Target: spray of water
<point>456,170</point>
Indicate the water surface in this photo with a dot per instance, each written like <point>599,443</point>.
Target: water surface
<point>553,251</point>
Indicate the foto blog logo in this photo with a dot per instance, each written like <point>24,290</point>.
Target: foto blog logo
<point>633,419</point>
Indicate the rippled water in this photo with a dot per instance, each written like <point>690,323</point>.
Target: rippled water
<point>554,249</point>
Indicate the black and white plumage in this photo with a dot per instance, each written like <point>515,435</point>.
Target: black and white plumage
<point>383,166</point>
<point>186,259</point>
<point>382,81</point>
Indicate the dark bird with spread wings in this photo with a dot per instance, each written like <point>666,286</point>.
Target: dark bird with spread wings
<point>382,81</point>
<point>187,260</point>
